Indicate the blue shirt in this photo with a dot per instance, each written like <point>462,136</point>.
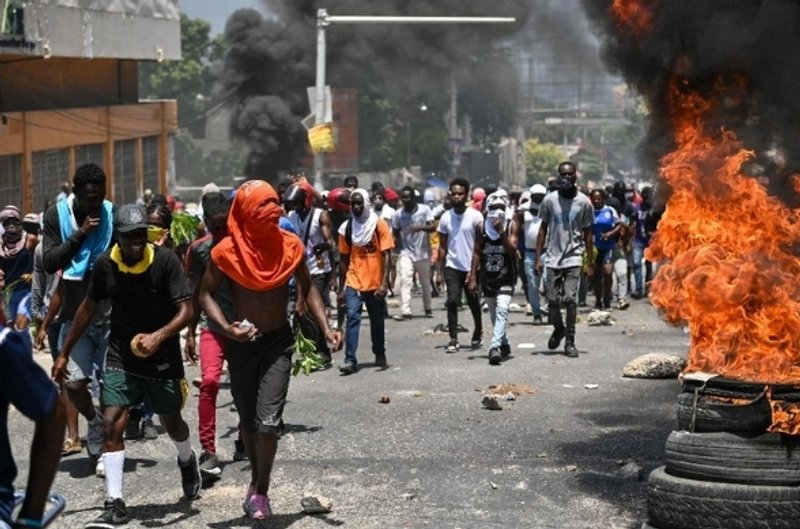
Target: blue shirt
<point>605,219</point>
<point>25,385</point>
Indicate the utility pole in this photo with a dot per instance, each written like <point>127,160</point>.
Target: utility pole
<point>324,20</point>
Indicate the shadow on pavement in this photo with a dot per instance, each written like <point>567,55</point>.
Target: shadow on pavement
<point>277,521</point>
<point>83,467</point>
<point>158,515</point>
<point>630,426</point>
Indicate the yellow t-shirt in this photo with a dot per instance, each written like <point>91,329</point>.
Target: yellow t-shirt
<point>365,273</point>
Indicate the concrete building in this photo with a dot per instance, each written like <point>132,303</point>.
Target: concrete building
<point>69,95</point>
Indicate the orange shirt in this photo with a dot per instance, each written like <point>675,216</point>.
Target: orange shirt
<point>365,273</point>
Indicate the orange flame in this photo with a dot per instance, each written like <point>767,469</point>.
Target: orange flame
<point>636,15</point>
<point>732,270</point>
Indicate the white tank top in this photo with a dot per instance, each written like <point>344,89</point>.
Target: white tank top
<point>532,225</point>
<point>316,264</point>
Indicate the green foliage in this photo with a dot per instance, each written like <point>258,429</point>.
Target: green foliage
<point>541,160</point>
<point>306,359</point>
<point>589,163</point>
<point>183,229</point>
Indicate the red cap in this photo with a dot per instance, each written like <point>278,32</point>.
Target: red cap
<point>390,195</point>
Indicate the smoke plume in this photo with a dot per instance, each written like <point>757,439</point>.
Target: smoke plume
<point>743,54</point>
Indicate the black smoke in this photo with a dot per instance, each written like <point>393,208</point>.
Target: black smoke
<point>271,59</point>
<point>743,53</point>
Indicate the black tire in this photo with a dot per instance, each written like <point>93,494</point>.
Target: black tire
<point>767,459</point>
<point>680,503</point>
<point>713,415</point>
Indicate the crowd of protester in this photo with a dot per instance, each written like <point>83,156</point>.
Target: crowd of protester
<point>108,290</point>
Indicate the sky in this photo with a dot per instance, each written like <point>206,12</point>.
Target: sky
<point>215,11</point>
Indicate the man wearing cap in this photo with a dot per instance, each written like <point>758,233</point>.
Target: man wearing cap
<point>567,218</point>
<point>258,259</point>
<point>528,223</point>
<point>150,304</point>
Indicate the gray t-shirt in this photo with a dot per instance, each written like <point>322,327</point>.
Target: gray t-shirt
<point>416,246</point>
<point>566,219</point>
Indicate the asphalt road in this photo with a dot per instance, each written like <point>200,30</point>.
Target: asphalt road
<point>433,456</point>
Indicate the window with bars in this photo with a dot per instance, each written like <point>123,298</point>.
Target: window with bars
<point>125,191</point>
<point>150,163</point>
<point>48,170</point>
<point>89,153</point>
<point>11,180</point>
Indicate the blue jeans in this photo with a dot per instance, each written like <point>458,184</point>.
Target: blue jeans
<point>529,265</point>
<point>375,307</point>
<point>498,312</point>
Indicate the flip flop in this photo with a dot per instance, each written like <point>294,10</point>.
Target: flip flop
<point>70,447</point>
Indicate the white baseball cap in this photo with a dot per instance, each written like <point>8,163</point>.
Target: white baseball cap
<point>538,189</point>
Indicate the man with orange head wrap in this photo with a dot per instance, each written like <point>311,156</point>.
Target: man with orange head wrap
<point>258,259</point>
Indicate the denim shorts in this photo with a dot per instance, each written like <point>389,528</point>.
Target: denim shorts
<point>89,353</point>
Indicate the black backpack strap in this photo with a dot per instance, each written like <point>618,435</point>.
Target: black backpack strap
<point>348,233</point>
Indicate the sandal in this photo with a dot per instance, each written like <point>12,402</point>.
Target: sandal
<point>71,447</point>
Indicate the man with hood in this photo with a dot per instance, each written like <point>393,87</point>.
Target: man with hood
<point>365,245</point>
<point>567,218</point>
<point>495,260</point>
<point>258,258</point>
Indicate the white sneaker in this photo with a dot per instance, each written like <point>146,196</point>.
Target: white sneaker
<point>94,437</point>
<point>100,468</point>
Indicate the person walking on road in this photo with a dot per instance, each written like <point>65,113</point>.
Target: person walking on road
<point>411,227</point>
<point>458,230</point>
<point>567,218</point>
<point>77,230</point>
<point>365,245</point>
<point>25,386</point>
<point>150,304</point>
<point>257,259</point>
<point>495,261</point>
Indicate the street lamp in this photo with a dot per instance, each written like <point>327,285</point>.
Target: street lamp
<point>324,20</point>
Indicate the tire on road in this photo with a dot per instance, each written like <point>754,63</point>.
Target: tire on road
<point>680,503</point>
<point>766,459</point>
<point>713,415</point>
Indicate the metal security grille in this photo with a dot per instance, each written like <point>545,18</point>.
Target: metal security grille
<point>150,163</point>
<point>48,170</point>
<point>11,180</point>
<point>125,172</point>
<point>89,153</point>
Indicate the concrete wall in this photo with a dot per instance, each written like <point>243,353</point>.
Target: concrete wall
<point>45,84</point>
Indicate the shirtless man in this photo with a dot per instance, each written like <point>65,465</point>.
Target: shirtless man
<point>258,259</point>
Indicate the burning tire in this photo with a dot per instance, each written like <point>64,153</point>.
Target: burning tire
<point>767,459</point>
<point>680,503</point>
<point>707,413</point>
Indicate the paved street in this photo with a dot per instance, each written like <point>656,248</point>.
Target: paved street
<point>432,457</point>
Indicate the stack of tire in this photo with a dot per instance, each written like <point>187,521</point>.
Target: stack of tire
<point>723,470</point>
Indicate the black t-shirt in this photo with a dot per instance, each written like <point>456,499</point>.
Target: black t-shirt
<point>142,303</point>
<point>498,271</point>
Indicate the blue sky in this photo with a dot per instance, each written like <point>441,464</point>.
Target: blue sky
<point>216,11</point>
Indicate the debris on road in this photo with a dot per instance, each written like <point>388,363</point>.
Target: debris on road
<point>491,403</point>
<point>599,317</point>
<point>408,496</point>
<point>316,504</point>
<point>654,365</point>
<point>543,455</point>
<point>493,485</point>
<point>510,396</point>
<point>527,345</point>
<point>591,386</point>
<point>571,468</point>
<point>516,390</point>
<point>632,471</point>
<point>384,399</point>
<point>515,307</point>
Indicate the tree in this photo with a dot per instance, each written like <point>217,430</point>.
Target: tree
<point>541,160</point>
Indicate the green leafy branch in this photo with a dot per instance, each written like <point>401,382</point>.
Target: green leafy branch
<point>184,227</point>
<point>306,359</point>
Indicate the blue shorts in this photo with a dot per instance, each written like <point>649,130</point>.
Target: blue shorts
<point>89,353</point>
<point>604,257</point>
